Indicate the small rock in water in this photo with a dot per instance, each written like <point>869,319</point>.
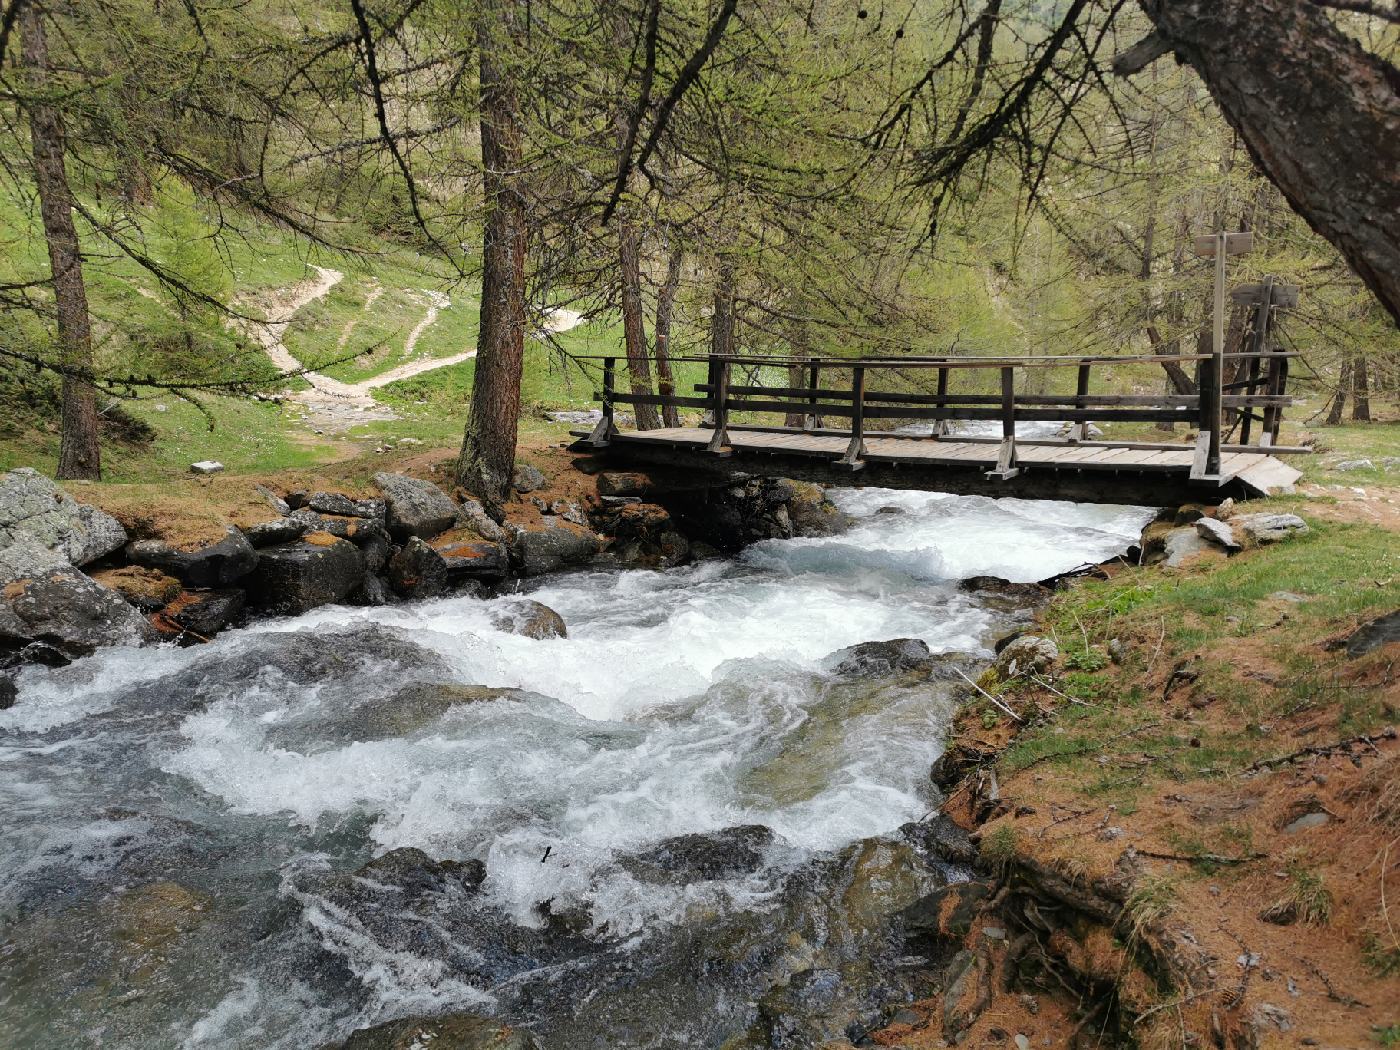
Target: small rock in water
<point>876,659</point>
<point>9,692</point>
<point>206,466</point>
<point>531,619</point>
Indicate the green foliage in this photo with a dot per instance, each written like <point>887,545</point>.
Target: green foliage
<point>999,845</point>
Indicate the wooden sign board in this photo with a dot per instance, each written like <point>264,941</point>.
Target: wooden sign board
<point>1285,295</point>
<point>1235,244</point>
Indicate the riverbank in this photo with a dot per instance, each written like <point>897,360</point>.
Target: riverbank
<point>1189,825</point>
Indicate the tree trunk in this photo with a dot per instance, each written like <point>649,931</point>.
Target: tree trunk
<point>79,453</point>
<point>1360,392</point>
<point>487,460</point>
<point>665,307</point>
<point>633,329</point>
<point>722,320</point>
<point>1334,415</point>
<point>1319,114</point>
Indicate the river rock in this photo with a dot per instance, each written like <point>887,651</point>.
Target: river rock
<point>66,612</point>
<point>552,547</point>
<point>201,614</point>
<point>277,530</point>
<point>702,856</point>
<point>1183,544</point>
<point>623,483</point>
<point>150,590</point>
<point>1268,528</point>
<point>344,506</point>
<point>467,557</point>
<point>417,571</point>
<point>405,711</point>
<point>943,916</point>
<point>880,659</point>
<point>315,570</point>
<point>219,563</point>
<point>415,507</point>
<point>34,509</point>
<point>1028,654</point>
<point>472,515</point>
<point>642,535</point>
<point>9,692</point>
<point>26,559</point>
<point>811,511</point>
<point>444,1032</point>
<point>940,837</point>
<point>531,619</point>
<point>1218,532</point>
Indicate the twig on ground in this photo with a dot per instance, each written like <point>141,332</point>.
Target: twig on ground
<point>988,695</point>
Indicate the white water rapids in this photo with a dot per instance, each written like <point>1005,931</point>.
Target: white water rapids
<point>683,701</point>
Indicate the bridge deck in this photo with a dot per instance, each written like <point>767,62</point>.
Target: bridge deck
<point>1122,470</point>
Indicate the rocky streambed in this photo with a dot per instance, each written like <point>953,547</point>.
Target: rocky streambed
<point>700,816</point>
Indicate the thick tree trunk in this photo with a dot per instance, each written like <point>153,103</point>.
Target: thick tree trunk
<point>722,319</point>
<point>1319,114</point>
<point>633,328</point>
<point>79,453</point>
<point>665,309</point>
<point>487,460</point>
<point>1334,415</point>
<point>1360,392</point>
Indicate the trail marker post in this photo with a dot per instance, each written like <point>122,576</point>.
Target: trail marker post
<point>1218,246</point>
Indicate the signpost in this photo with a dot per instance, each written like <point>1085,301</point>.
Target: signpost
<point>1219,246</point>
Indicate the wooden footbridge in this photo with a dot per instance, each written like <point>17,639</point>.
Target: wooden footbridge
<point>891,422</point>
<point>934,457</point>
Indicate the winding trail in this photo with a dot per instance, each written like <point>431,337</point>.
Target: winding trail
<point>330,403</point>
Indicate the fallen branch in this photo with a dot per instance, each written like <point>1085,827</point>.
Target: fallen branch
<point>988,695</point>
<point>1320,750</point>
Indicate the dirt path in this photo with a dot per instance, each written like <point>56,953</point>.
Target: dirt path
<point>334,405</point>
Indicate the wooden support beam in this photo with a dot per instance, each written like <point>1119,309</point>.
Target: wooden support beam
<point>856,449</point>
<point>604,431</point>
<point>721,407</point>
<point>1006,467</point>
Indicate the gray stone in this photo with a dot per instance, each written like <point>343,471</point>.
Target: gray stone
<point>34,509</point>
<point>9,692</point>
<point>879,659</point>
<point>1355,464</point>
<point>274,501</point>
<point>554,547</point>
<point>344,506</point>
<point>217,564</point>
<point>1373,634</point>
<point>1226,508</point>
<point>530,618</point>
<point>473,516</point>
<point>623,483</point>
<point>940,837</point>
<point>277,530</point>
<point>67,612</point>
<point>1306,822</point>
<point>295,577</point>
<point>1217,532</point>
<point>415,507</point>
<point>204,614</point>
<point>417,571</point>
<point>473,559</point>
<point>703,856</point>
<point>27,559</point>
<point>1268,528</point>
<point>1181,544</point>
<point>443,1032</point>
<point>1028,654</point>
<point>527,478</point>
<point>206,466</point>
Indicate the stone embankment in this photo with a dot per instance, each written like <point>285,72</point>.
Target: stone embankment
<point>72,579</point>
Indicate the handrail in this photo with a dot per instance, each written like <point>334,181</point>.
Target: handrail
<point>1049,361</point>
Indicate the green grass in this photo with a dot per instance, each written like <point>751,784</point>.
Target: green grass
<point>1122,741</point>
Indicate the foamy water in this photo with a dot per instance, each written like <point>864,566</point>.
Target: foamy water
<point>682,701</point>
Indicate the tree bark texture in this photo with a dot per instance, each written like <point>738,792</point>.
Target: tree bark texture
<point>79,452</point>
<point>633,327</point>
<point>1319,114</point>
<point>1334,415</point>
<point>1360,392</point>
<point>487,461</point>
<point>722,318</point>
<point>661,333</point>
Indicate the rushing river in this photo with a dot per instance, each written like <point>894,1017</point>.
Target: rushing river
<point>181,827</point>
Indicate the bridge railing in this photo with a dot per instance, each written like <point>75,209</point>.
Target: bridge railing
<point>860,390</point>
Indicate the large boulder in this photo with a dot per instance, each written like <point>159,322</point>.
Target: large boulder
<point>220,563</point>
<point>34,509</point>
<point>26,559</point>
<point>315,570</point>
<point>417,571</point>
<point>700,857</point>
<point>530,618</point>
<point>471,515</point>
<point>444,1032</point>
<point>64,614</point>
<point>880,659</point>
<point>470,558</point>
<point>553,546</point>
<point>344,506</point>
<point>1267,528</point>
<point>150,590</point>
<point>415,507</point>
<point>196,616</point>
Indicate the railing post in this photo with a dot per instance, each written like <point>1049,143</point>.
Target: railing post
<point>812,421</point>
<point>720,394</point>
<point>603,432</point>
<point>1006,468</point>
<point>940,426</point>
<point>856,449</point>
<point>1206,463</point>
<point>1080,430</point>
